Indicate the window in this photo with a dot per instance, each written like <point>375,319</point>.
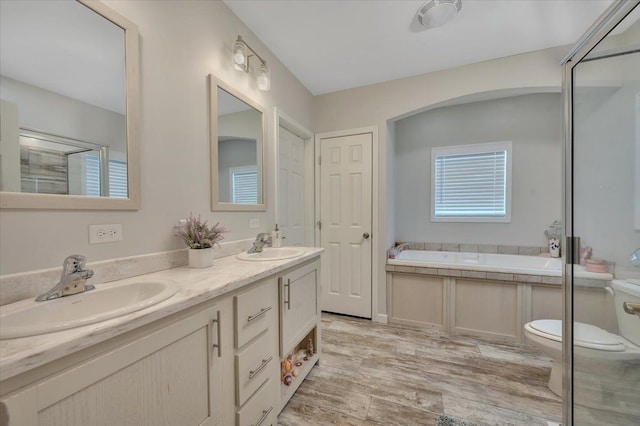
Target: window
<point>93,174</point>
<point>244,185</point>
<point>471,183</point>
<point>117,177</point>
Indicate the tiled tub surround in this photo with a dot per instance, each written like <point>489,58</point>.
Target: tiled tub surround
<point>475,248</point>
<point>196,286</point>
<point>482,265</point>
<point>24,285</point>
<point>454,293</point>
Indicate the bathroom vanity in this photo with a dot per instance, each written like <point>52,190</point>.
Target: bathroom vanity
<point>209,355</point>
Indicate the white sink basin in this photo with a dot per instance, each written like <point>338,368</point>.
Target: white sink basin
<point>270,253</point>
<point>29,318</point>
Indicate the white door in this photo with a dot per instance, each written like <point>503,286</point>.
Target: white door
<point>291,184</point>
<point>345,223</point>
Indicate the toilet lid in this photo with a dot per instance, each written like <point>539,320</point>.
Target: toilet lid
<point>552,328</point>
<point>584,335</point>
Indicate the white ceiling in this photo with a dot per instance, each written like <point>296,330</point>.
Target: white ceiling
<point>334,45</point>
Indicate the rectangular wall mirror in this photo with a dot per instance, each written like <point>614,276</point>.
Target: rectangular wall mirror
<point>69,106</point>
<point>237,150</point>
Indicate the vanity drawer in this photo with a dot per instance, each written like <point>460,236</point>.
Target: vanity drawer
<point>261,408</point>
<point>254,310</point>
<point>254,365</point>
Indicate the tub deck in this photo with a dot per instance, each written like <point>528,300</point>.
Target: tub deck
<point>487,262</point>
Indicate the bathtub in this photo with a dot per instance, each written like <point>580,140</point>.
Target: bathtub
<point>506,263</point>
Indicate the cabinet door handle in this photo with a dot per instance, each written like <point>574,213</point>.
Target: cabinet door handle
<point>254,373</point>
<point>288,299</point>
<point>265,413</point>
<point>259,314</point>
<point>218,344</point>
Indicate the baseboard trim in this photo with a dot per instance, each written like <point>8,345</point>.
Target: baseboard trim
<point>381,318</point>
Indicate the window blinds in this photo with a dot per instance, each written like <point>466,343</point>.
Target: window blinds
<point>245,187</point>
<point>472,184</point>
<point>117,177</point>
<point>93,174</point>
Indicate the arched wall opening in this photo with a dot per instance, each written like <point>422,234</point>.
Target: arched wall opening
<point>529,117</point>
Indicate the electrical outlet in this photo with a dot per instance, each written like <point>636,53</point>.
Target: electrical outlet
<point>99,234</point>
<point>254,223</point>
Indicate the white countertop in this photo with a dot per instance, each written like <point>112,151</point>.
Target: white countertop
<point>196,286</point>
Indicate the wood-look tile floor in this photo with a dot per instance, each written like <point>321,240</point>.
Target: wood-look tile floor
<point>377,374</point>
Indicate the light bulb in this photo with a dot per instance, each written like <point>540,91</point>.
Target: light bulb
<point>264,81</point>
<point>239,57</point>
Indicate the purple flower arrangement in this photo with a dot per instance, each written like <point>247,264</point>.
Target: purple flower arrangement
<point>197,234</point>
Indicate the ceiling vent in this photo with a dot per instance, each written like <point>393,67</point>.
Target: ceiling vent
<point>435,13</point>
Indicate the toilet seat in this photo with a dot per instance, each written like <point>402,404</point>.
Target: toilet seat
<point>584,335</point>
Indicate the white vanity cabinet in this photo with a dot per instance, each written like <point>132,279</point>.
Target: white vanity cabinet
<point>299,291</point>
<point>170,375</point>
<point>256,354</point>
<point>216,362</point>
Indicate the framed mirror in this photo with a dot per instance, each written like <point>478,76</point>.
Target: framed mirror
<point>70,102</point>
<point>238,129</point>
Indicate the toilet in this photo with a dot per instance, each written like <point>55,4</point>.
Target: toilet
<point>616,358</point>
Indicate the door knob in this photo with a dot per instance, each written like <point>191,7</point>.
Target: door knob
<point>365,235</point>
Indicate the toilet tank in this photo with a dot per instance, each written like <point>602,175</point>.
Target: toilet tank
<point>628,324</point>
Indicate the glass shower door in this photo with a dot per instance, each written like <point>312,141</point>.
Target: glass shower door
<point>602,353</point>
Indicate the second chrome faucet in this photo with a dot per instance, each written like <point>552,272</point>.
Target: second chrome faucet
<point>263,239</point>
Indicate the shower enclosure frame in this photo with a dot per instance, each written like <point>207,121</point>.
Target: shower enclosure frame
<point>592,37</point>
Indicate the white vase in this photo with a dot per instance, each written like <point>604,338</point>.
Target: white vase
<point>200,258</point>
<point>554,247</point>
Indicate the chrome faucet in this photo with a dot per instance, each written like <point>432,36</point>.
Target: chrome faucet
<point>73,280</point>
<point>262,240</point>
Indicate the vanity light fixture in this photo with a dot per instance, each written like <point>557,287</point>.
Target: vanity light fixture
<point>241,63</point>
<point>438,12</point>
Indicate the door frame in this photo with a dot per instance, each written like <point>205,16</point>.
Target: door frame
<point>592,37</point>
<point>375,198</point>
<point>284,120</point>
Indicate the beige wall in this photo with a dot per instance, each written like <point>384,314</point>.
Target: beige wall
<point>605,115</point>
<point>376,104</point>
<point>181,42</point>
<point>49,112</point>
<point>9,151</point>
<point>534,125</point>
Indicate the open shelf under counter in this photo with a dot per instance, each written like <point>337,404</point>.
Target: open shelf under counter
<point>286,392</point>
